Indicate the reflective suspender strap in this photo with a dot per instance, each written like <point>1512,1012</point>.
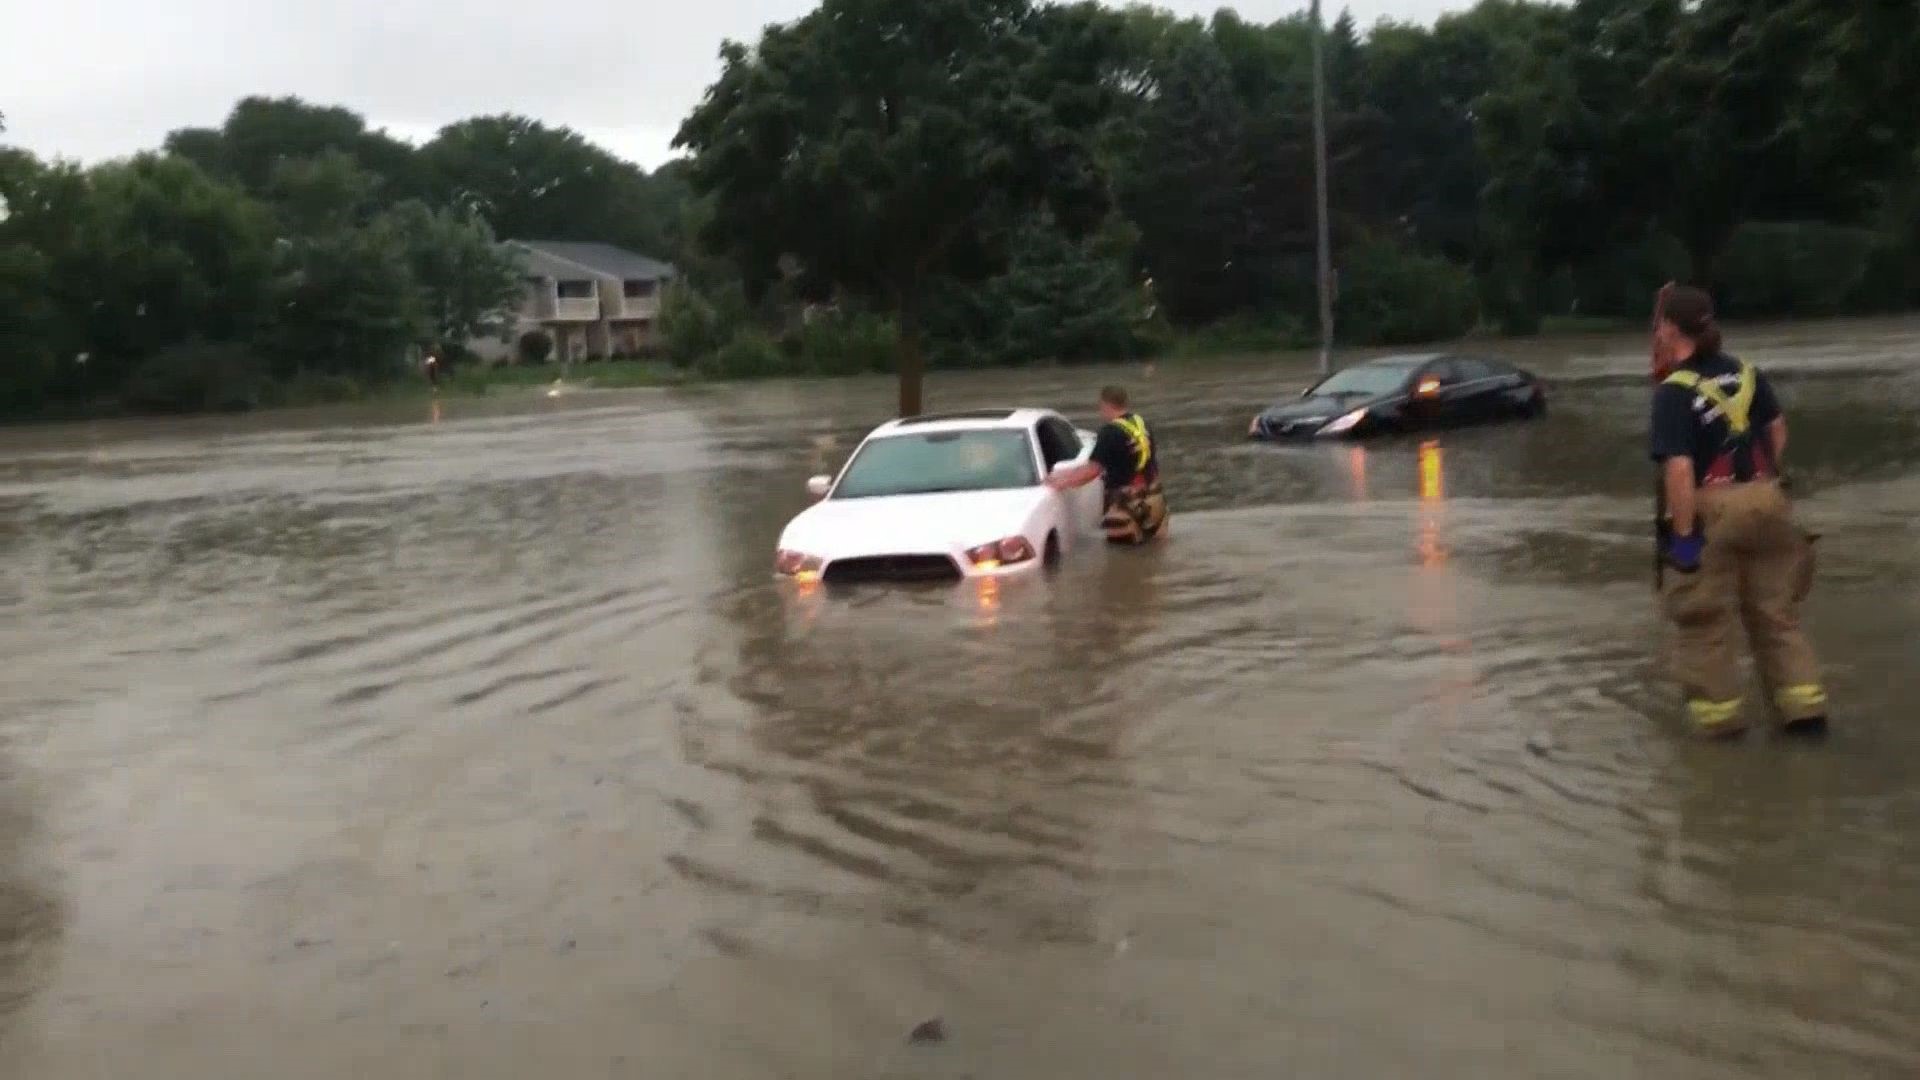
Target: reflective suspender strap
<point>1136,430</point>
<point>1737,408</point>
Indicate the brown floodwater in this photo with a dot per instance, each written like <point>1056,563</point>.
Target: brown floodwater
<point>474,739</point>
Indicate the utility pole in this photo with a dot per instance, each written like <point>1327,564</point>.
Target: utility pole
<point>1324,254</point>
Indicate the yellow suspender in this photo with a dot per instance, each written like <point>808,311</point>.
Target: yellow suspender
<point>1136,430</point>
<point>1735,408</point>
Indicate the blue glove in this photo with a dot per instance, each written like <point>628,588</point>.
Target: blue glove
<point>1683,552</point>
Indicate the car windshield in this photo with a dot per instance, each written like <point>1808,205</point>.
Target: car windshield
<point>1369,380</point>
<point>934,461</point>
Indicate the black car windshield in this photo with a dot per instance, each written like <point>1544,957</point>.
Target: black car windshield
<point>924,462</point>
<point>1367,380</point>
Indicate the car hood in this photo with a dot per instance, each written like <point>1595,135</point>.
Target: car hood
<point>941,523</point>
<point>1308,414</point>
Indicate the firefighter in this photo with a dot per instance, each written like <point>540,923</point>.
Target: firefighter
<point>1124,459</point>
<point>1734,558</point>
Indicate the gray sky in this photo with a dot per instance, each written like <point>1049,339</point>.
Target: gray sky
<point>93,79</point>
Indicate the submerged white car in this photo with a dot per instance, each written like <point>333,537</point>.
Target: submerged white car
<point>945,497</point>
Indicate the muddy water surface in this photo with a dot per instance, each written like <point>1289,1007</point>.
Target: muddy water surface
<point>474,740</point>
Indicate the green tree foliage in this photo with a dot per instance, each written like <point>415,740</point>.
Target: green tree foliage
<point>319,194</point>
<point>1011,181</point>
<point>27,314</point>
<point>262,132</point>
<point>465,280</point>
<point>875,146</point>
<point>1067,300</point>
<point>168,254</point>
<point>688,324</point>
<point>843,343</point>
<point>344,303</point>
<point>1188,185</point>
<point>1390,295</point>
<point>1794,268</point>
<point>534,182</point>
<point>196,376</point>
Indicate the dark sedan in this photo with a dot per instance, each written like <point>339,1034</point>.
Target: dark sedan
<point>1405,393</point>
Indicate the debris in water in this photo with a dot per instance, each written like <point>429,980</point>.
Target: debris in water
<point>929,1031</point>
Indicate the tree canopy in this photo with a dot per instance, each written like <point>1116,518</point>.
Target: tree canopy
<point>1013,181</point>
<point>875,146</point>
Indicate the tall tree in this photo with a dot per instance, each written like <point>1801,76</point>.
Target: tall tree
<point>465,280</point>
<point>261,133</point>
<point>534,182</point>
<point>876,145</point>
<point>1187,188</point>
<point>162,253</point>
<point>343,303</point>
<point>320,194</point>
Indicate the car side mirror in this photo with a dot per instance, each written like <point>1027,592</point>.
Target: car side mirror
<point>818,486</point>
<point>1062,468</point>
<point>1427,389</point>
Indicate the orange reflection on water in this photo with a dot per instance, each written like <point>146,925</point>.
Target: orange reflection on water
<point>987,593</point>
<point>1357,471</point>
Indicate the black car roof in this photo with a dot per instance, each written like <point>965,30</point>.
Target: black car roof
<point>1406,360</point>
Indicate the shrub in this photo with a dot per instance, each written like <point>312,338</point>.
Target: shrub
<point>839,344</point>
<point>315,388</point>
<point>1621,281</point>
<point>456,355</point>
<point>751,354</point>
<point>1245,335</point>
<point>1793,268</point>
<point>196,376</point>
<point>689,326</point>
<point>1390,295</point>
<point>535,347</point>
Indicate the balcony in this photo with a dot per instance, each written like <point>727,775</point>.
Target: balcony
<point>576,309</point>
<point>637,307</point>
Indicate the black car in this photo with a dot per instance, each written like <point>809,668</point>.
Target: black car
<point>1406,393</point>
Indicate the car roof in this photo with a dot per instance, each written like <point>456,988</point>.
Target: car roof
<point>970,420</point>
<point>1404,360</point>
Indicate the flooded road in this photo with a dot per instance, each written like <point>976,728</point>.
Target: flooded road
<point>475,740</point>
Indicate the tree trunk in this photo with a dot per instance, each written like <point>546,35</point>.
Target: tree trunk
<point>912,365</point>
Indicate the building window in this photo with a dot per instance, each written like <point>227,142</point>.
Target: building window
<point>576,290</point>
<point>639,290</point>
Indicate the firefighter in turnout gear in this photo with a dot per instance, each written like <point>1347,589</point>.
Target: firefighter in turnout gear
<point>1123,458</point>
<point>1734,559</point>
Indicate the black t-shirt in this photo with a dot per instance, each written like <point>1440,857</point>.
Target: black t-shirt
<point>1688,424</point>
<point>1114,451</point>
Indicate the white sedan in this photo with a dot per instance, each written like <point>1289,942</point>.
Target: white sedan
<point>953,496</point>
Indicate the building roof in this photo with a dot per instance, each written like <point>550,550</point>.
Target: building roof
<point>559,258</point>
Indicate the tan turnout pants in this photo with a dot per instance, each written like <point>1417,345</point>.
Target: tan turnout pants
<point>1756,570</point>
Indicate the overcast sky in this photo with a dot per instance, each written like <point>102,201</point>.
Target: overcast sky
<point>93,79</point>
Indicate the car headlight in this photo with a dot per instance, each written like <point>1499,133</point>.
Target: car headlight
<point>797,564</point>
<point>1014,549</point>
<point>1344,423</point>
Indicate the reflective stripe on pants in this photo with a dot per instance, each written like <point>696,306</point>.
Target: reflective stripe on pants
<point>1712,716</point>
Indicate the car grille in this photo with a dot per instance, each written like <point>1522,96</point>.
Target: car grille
<point>893,568</point>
